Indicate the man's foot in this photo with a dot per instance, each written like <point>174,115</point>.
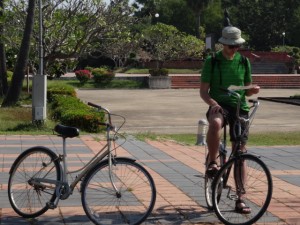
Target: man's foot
<point>212,169</point>
<point>241,207</point>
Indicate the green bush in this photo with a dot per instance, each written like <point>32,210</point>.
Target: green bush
<point>58,88</point>
<point>71,111</point>
<point>102,75</point>
<point>159,72</point>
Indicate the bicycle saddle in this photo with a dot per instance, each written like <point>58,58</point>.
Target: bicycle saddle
<point>66,131</point>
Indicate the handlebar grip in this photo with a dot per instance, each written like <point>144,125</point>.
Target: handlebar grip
<point>253,101</point>
<point>94,105</point>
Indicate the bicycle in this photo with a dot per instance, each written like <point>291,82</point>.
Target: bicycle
<point>114,190</point>
<point>243,178</point>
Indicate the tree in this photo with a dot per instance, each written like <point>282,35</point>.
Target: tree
<point>165,42</point>
<point>15,89</point>
<point>71,27</point>
<point>265,21</point>
<point>197,7</point>
<point>3,69</point>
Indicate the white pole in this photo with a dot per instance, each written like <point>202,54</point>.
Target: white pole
<point>39,95</point>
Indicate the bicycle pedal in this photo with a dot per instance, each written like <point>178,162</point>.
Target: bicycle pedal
<point>51,205</point>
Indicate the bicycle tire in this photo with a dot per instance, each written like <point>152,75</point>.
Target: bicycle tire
<point>208,181</point>
<point>27,200</point>
<point>132,205</point>
<point>258,191</point>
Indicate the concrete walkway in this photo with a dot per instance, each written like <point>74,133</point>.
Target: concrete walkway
<point>179,110</point>
<point>178,174</point>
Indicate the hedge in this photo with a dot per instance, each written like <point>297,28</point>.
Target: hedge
<point>70,111</point>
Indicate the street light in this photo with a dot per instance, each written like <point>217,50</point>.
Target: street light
<point>283,36</point>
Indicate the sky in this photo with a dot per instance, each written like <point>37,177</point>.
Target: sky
<point>107,1</point>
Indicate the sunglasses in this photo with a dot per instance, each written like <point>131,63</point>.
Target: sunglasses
<point>233,46</point>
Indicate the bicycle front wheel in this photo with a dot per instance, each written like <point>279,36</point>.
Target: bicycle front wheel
<point>130,204</point>
<point>27,196</point>
<point>208,180</point>
<point>246,178</point>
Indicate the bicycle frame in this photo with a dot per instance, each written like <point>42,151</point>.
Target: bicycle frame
<point>236,151</point>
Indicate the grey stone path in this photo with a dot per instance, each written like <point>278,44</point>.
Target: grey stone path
<point>179,182</point>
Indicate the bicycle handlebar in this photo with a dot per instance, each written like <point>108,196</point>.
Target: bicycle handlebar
<point>104,109</point>
<point>254,102</point>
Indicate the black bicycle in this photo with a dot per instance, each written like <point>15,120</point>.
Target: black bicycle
<point>242,181</point>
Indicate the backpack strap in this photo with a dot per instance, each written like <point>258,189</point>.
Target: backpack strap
<point>215,61</point>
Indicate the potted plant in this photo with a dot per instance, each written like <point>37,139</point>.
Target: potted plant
<point>159,78</point>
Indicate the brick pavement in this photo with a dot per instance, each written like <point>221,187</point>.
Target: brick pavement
<point>178,174</point>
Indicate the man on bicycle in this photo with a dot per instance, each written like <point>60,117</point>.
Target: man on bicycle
<point>227,67</point>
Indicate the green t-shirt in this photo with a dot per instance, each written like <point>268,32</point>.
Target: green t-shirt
<point>225,73</point>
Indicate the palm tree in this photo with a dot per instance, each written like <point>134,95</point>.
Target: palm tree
<point>15,88</point>
<point>197,6</point>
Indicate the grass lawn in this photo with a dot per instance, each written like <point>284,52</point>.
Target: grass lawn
<point>257,139</point>
<point>171,71</point>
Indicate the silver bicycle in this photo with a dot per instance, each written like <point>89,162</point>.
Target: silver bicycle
<point>114,190</point>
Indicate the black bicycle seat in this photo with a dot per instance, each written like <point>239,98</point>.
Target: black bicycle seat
<point>66,131</point>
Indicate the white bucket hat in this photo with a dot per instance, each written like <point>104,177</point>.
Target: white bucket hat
<point>231,36</point>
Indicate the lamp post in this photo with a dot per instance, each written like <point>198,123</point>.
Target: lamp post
<point>39,89</point>
<point>283,36</point>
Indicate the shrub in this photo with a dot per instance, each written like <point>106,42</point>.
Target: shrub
<point>102,75</point>
<point>58,88</point>
<point>159,72</point>
<point>83,76</point>
<point>72,112</point>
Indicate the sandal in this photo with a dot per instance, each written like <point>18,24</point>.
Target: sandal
<point>241,207</point>
<point>212,169</point>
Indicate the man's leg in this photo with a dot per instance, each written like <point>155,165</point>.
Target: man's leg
<point>240,205</point>
<point>213,135</point>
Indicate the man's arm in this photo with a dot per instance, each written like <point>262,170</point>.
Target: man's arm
<point>204,88</point>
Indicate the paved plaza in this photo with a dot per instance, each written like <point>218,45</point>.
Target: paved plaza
<point>178,174</point>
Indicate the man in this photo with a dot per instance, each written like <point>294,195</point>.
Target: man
<point>226,68</point>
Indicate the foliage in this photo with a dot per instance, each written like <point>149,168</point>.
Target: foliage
<point>59,88</point>
<point>83,76</point>
<point>165,42</point>
<point>292,51</point>
<point>71,27</point>
<point>72,112</point>
<point>254,15</point>
<point>102,75</point>
<point>159,72</point>
<point>56,69</point>
<point>197,6</point>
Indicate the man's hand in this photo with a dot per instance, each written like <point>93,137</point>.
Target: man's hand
<point>254,90</point>
<point>216,109</point>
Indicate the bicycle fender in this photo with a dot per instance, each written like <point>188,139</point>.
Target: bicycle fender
<point>119,158</point>
<point>30,149</point>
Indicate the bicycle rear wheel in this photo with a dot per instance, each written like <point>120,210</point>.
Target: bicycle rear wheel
<point>254,188</point>
<point>131,205</point>
<point>27,198</point>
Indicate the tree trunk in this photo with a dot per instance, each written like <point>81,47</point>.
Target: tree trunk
<point>198,24</point>
<point>15,89</point>
<point>3,69</point>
